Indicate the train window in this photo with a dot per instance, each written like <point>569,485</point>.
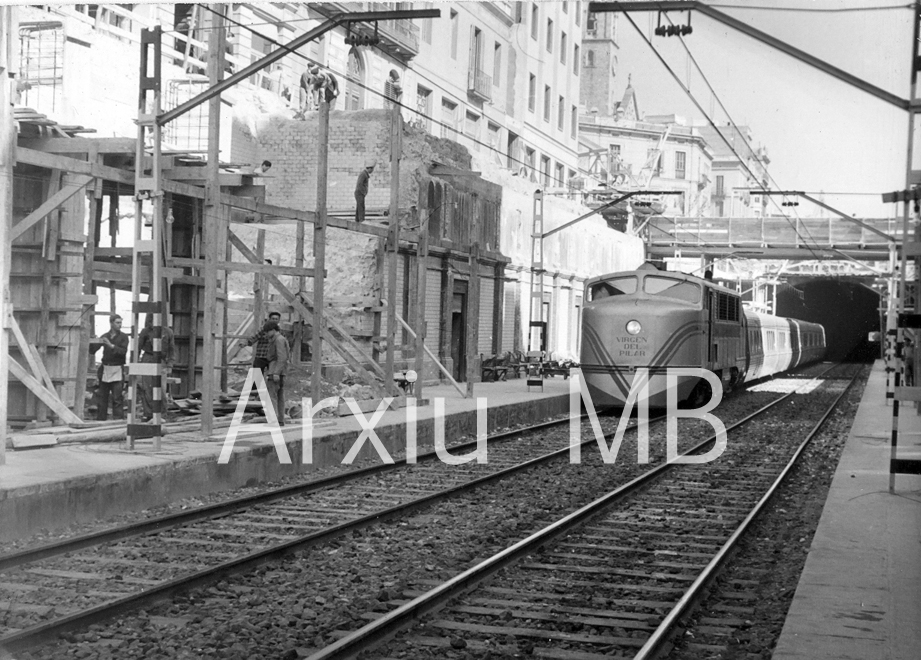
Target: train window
<point>669,288</point>
<point>619,286</point>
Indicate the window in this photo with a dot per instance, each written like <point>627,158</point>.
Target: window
<point>545,170</point>
<point>472,129</point>
<point>578,13</point>
<point>497,64</point>
<point>427,30</point>
<point>574,122</point>
<point>454,22</point>
<point>393,88</point>
<point>476,51</point>
<point>546,102</point>
<point>618,286</point>
<point>519,12</point>
<point>561,113</point>
<point>680,164</point>
<point>559,173</point>
<point>720,186</point>
<point>591,23</point>
<point>549,35</point>
<point>424,106</point>
<point>565,7</point>
<point>448,119</point>
<point>535,16</point>
<point>563,46</point>
<point>671,288</point>
<point>532,92</point>
<point>589,59</point>
<point>354,79</point>
<point>575,60</point>
<point>492,131</point>
<point>530,158</point>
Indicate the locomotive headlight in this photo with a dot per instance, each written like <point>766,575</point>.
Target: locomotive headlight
<point>634,327</point>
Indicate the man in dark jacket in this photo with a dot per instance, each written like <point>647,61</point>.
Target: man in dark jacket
<point>278,365</point>
<point>146,384</point>
<point>111,372</point>
<point>361,191</point>
<point>260,342</point>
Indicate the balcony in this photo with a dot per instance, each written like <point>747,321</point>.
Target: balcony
<point>479,85</point>
<point>399,37</point>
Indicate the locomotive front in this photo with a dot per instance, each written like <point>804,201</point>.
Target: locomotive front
<point>635,320</point>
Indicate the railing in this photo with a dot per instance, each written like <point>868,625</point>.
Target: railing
<point>771,231</point>
<point>401,31</point>
<point>479,84</point>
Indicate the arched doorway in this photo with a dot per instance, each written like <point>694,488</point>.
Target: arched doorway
<point>355,77</point>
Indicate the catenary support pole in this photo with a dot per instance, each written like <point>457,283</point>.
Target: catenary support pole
<point>396,134</point>
<point>212,215</point>
<point>319,254</point>
<point>422,272</point>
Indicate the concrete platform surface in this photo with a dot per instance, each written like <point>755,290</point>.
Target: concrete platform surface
<point>859,597</point>
<point>56,486</point>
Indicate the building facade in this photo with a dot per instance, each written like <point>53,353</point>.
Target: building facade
<point>501,80</point>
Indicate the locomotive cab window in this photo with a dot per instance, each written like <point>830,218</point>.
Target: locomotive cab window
<point>620,286</point>
<point>669,288</point>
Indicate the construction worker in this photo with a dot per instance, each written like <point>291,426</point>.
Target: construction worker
<point>261,342</point>
<point>111,377</point>
<point>361,191</point>
<point>166,359</point>
<point>278,355</point>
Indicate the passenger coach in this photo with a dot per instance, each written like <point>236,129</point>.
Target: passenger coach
<point>655,319</point>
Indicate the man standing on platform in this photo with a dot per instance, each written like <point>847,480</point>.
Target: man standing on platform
<point>111,376</point>
<point>261,342</point>
<point>278,365</point>
<point>167,357</point>
<point>361,191</point>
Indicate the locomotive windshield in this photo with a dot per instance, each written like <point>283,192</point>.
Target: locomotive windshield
<point>669,288</point>
<point>618,286</point>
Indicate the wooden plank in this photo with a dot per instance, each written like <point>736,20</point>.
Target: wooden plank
<point>24,346</point>
<point>242,267</point>
<point>368,405</point>
<point>332,331</point>
<point>80,145</point>
<point>43,375</point>
<point>49,399</point>
<point>48,206</point>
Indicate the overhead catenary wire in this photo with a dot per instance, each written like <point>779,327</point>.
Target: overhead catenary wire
<point>707,117</point>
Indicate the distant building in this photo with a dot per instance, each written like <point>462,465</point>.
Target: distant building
<point>737,169</point>
<point>624,153</point>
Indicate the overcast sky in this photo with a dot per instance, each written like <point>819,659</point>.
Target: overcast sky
<point>821,133</point>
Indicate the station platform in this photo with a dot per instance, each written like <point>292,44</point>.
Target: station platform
<point>859,596</point>
<point>53,487</point>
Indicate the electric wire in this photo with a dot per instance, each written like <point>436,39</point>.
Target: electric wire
<point>733,123</point>
<point>709,120</point>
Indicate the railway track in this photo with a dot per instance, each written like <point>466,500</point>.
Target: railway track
<point>74,583</point>
<point>614,578</point>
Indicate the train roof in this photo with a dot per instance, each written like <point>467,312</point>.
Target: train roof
<point>648,269</point>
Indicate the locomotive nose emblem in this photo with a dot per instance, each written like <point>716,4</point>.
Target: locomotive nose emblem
<point>634,327</point>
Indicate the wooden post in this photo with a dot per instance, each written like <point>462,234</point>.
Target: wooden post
<point>473,300</point>
<point>258,284</point>
<point>319,254</point>
<point>7,145</point>
<point>422,261</point>
<point>396,134</point>
<point>212,216</point>
<point>49,257</point>
<point>89,289</point>
<point>301,285</point>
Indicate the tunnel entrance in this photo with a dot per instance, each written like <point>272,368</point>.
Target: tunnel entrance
<point>848,310</point>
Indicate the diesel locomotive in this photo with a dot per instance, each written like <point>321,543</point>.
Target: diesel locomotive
<point>652,319</point>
